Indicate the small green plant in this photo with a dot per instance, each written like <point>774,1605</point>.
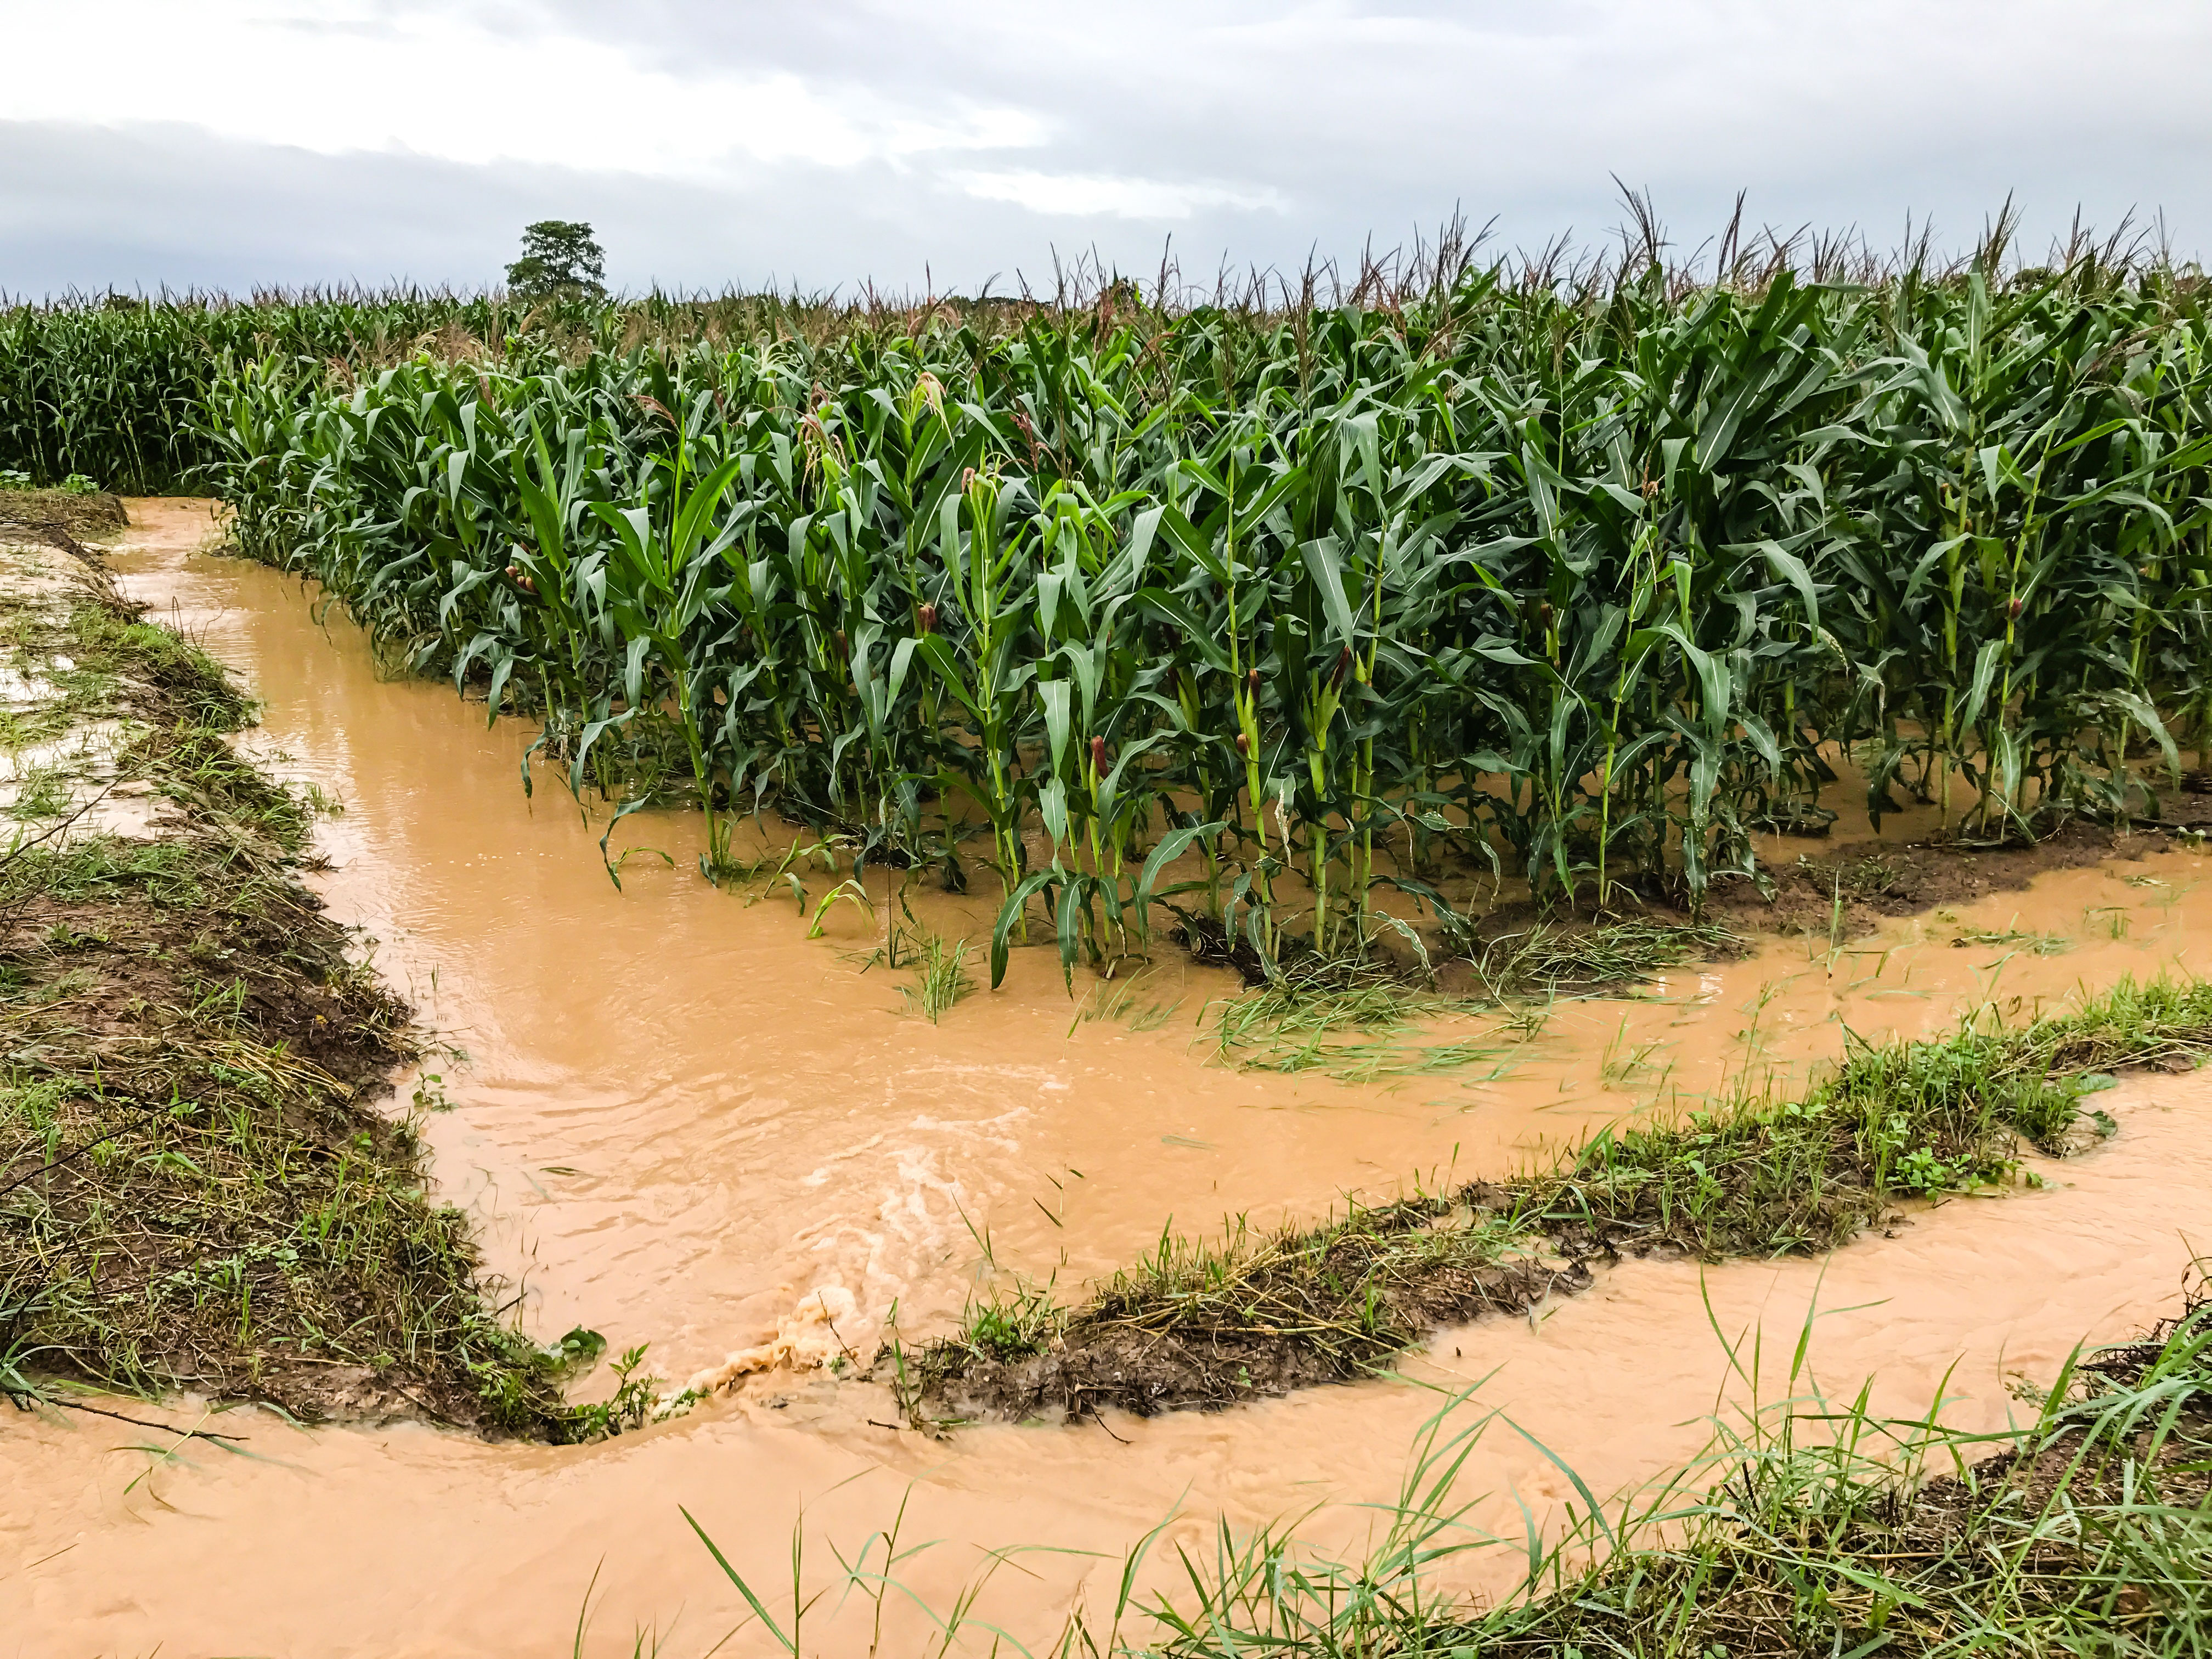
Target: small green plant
<point>941,978</point>
<point>41,793</point>
<point>1128,1002</point>
<point>1622,1060</point>
<point>1920,1170</point>
<point>630,1406</point>
<point>1011,1328</point>
<point>75,485</point>
<point>1871,877</point>
<point>939,968</point>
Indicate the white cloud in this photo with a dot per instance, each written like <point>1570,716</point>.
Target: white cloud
<point>836,141</point>
<point>333,79</point>
<point>1090,194</point>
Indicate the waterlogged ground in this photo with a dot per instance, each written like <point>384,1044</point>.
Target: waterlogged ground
<point>678,1121</point>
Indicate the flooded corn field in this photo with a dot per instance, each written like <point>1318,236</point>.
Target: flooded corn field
<point>674,1117</point>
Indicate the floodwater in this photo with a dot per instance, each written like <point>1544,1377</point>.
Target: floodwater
<point>678,1120</point>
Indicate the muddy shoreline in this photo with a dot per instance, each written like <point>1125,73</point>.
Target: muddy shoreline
<point>198,1192</point>
<point>1203,1325</point>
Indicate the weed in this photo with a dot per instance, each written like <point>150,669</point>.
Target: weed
<point>2111,921</point>
<point>1623,1061</point>
<point>1128,1002</point>
<point>941,979</point>
<point>40,793</point>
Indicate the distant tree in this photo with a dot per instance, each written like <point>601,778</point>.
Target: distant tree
<point>558,258</point>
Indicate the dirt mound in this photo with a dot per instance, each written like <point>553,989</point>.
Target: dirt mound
<point>195,1190</point>
<point>95,514</point>
<point>1151,1370</point>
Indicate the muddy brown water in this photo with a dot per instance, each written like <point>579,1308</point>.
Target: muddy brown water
<point>682,1122</point>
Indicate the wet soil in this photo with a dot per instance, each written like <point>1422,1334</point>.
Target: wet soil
<point>1145,1355</point>
<point>194,1192</point>
<point>1844,892</point>
<point>1872,881</point>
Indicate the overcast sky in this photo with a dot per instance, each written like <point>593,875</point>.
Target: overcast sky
<point>825,142</point>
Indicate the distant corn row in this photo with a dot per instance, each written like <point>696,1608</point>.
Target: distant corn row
<point>115,388</point>
<point>1589,581</point>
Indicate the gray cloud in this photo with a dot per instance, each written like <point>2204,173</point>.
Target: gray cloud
<point>973,137</point>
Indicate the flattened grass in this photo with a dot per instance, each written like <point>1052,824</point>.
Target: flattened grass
<point>1345,1017</point>
<point>1356,1018</point>
<point>1552,959</point>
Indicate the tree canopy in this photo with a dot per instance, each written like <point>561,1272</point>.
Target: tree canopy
<point>558,256</point>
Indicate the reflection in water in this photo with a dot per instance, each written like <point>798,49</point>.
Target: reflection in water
<point>678,1121</point>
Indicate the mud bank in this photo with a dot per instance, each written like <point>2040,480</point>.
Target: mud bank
<point>195,1194</point>
<point>1203,1323</point>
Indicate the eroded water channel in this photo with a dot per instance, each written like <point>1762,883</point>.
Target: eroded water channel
<point>677,1120</point>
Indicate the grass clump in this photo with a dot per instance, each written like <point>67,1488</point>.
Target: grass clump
<point>1813,1527</point>
<point>940,978</point>
<point>939,966</point>
<point>1203,1323</point>
<point>1558,959</point>
<point>1896,1120</point>
<point>1344,1016</point>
